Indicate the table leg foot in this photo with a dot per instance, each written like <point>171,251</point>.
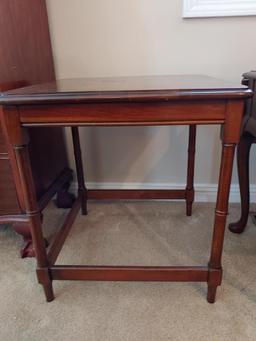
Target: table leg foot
<point>211,293</point>
<point>83,195</point>
<point>45,280</point>
<point>238,227</point>
<point>84,209</point>
<point>243,153</point>
<point>189,209</point>
<point>48,291</point>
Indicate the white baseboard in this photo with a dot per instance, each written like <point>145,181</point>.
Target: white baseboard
<point>203,192</point>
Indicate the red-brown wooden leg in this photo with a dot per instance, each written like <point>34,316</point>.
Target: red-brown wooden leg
<point>243,153</point>
<point>211,293</point>
<point>18,140</point>
<point>190,193</point>
<point>82,191</point>
<point>32,211</point>
<point>230,138</point>
<point>221,212</point>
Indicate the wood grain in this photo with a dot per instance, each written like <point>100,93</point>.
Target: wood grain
<point>104,114</point>
<point>25,52</point>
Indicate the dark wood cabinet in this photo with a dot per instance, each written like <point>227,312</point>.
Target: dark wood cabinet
<point>3,149</point>
<point>26,59</point>
<point>9,202</point>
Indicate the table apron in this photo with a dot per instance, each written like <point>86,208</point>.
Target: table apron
<point>104,114</point>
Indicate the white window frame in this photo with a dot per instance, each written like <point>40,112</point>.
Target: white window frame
<point>218,8</point>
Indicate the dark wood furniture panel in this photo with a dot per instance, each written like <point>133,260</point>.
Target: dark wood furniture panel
<point>48,157</point>
<point>10,203</point>
<point>26,53</point>
<point>26,59</point>
<point>3,149</point>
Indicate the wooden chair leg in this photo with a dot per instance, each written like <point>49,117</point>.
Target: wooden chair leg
<point>243,153</point>
<point>190,193</point>
<point>82,191</point>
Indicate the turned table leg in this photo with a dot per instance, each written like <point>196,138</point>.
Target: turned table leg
<point>18,139</point>
<point>190,192</point>
<point>82,191</point>
<point>230,138</point>
<point>32,211</point>
<point>34,214</point>
<point>221,212</point>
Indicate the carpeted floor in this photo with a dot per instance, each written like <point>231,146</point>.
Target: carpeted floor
<point>153,233</point>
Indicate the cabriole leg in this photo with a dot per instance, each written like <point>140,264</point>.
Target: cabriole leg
<point>243,153</point>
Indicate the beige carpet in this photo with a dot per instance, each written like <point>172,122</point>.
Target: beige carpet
<point>153,233</point>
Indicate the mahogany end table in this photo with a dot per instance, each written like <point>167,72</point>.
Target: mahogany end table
<point>124,101</point>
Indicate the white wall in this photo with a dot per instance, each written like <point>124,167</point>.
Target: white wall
<point>144,37</point>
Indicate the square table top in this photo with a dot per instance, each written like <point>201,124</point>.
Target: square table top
<point>145,88</point>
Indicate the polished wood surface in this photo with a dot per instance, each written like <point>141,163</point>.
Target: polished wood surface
<point>158,88</point>
<point>223,106</point>
<point>138,84</point>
